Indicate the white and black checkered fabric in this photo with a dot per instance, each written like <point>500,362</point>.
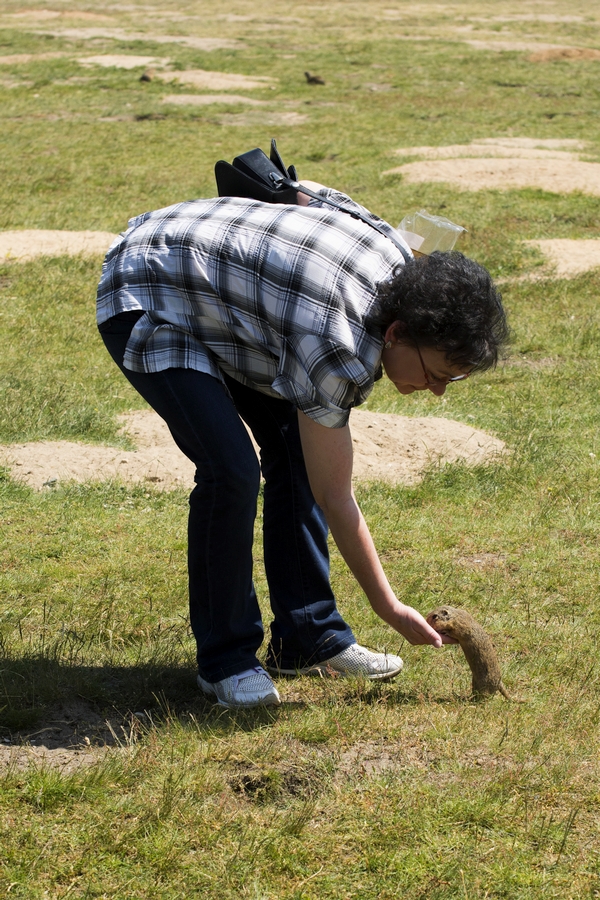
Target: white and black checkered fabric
<point>276,296</point>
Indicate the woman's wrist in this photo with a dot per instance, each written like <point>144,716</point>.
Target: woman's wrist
<point>387,606</point>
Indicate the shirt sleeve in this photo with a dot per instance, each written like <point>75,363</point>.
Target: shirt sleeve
<point>321,378</point>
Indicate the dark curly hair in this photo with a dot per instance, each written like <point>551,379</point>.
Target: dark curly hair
<point>448,302</point>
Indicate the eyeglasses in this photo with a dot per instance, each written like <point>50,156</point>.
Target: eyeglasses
<point>436,381</point>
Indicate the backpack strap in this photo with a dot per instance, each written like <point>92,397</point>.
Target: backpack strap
<point>280,180</point>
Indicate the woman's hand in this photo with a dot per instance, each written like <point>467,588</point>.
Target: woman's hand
<point>411,625</point>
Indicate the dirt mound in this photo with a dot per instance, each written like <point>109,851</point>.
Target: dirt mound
<point>386,447</point>
<point>564,53</point>
<point>398,448</point>
<point>29,243</point>
<point>215,81</point>
<point>507,174</point>
<point>568,258</point>
<point>503,164</point>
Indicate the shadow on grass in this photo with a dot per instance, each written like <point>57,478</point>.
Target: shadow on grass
<point>45,702</point>
<point>49,703</point>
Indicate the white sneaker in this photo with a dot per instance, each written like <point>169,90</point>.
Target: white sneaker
<point>250,688</point>
<point>354,661</point>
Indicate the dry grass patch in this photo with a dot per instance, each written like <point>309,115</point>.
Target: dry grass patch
<point>120,34</point>
<point>389,448</point>
<point>44,15</point>
<point>208,99</point>
<point>254,120</point>
<point>542,364</point>
<point>517,46</point>
<point>16,59</point>
<point>121,61</point>
<point>549,18</point>
<point>483,560</point>
<point>512,148</point>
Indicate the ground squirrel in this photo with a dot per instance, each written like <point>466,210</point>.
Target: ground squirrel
<point>477,647</point>
<point>313,79</point>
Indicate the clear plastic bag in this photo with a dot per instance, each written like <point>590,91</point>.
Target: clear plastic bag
<point>425,232</point>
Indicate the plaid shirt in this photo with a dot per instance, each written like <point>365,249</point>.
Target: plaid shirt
<point>276,296</point>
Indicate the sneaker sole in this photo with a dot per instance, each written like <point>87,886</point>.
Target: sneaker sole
<point>269,701</point>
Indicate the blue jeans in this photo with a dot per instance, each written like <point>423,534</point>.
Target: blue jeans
<point>224,614</point>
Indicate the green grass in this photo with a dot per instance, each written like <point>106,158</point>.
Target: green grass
<point>349,790</point>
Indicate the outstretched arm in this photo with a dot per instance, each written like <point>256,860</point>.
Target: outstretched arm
<point>328,458</point>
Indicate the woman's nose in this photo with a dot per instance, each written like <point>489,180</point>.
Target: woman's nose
<point>437,389</point>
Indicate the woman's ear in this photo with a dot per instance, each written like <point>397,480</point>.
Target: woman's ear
<point>395,332</point>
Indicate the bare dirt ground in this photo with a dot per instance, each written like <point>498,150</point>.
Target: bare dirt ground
<point>73,736</point>
<point>503,164</point>
<point>63,759</point>
<point>564,53</point>
<point>568,258</point>
<point>215,81</point>
<point>29,243</point>
<point>507,174</point>
<point>387,447</point>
